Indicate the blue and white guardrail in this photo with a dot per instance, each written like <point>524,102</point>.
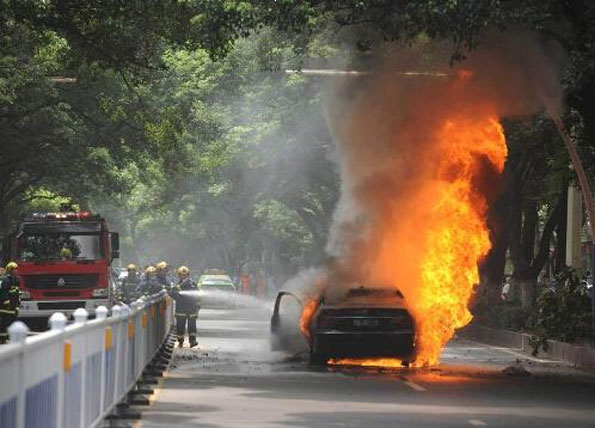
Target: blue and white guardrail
<point>73,375</point>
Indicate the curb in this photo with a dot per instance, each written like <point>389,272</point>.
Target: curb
<point>579,356</point>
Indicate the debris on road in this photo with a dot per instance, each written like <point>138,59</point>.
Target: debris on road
<point>516,369</point>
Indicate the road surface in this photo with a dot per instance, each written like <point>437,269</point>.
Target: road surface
<point>233,380</point>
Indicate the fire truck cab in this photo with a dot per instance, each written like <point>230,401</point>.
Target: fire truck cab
<point>64,262</point>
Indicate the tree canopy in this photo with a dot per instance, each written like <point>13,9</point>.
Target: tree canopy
<point>177,119</point>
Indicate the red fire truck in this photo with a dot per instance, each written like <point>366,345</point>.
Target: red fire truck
<point>64,262</point>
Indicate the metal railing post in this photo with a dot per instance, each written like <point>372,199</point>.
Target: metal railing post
<point>117,312</point>
<point>101,314</point>
<point>126,359</point>
<point>17,333</point>
<point>136,306</point>
<point>80,319</point>
<point>57,324</point>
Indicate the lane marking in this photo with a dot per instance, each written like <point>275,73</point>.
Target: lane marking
<point>477,423</point>
<point>413,385</point>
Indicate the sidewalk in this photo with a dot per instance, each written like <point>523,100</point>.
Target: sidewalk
<point>579,356</point>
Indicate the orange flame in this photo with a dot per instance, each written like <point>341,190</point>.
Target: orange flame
<point>366,362</point>
<point>465,74</point>
<point>306,318</point>
<point>457,237</point>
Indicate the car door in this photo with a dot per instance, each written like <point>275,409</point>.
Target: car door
<point>285,331</point>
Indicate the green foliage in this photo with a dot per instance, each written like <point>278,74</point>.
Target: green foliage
<point>563,313</point>
<point>502,315</point>
<point>176,118</point>
<point>49,126</point>
<point>240,172</point>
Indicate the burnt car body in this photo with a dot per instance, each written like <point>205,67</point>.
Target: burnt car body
<point>364,322</point>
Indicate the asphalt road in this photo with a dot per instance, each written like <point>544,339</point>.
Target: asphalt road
<point>233,380</point>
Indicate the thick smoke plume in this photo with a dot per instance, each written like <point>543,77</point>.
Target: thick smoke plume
<point>420,160</point>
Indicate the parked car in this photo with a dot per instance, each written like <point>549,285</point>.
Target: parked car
<point>363,322</point>
<point>217,291</point>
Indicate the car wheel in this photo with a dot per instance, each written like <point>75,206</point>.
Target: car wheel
<point>408,361</point>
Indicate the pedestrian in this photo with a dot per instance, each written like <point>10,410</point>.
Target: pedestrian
<point>9,299</point>
<point>506,294</point>
<point>245,279</point>
<point>185,293</point>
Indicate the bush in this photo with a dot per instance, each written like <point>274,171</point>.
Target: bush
<point>563,313</point>
<point>504,315</point>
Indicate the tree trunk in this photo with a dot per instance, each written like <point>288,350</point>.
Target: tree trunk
<point>527,263</point>
<point>560,257</point>
<point>492,267</point>
<point>521,250</point>
<point>528,291</point>
<point>498,221</point>
<point>555,221</point>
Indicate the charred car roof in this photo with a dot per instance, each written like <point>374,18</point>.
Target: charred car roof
<point>365,296</point>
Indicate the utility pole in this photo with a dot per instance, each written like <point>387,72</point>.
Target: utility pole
<point>326,72</point>
<point>573,227</point>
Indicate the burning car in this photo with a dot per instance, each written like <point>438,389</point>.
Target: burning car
<point>364,322</point>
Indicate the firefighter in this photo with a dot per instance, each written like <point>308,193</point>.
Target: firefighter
<point>9,299</point>
<point>163,276</point>
<point>130,285</point>
<point>150,285</point>
<point>187,306</point>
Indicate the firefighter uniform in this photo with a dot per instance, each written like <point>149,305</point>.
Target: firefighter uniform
<point>9,300</point>
<point>129,290</point>
<point>163,276</point>
<point>150,285</point>
<point>187,306</point>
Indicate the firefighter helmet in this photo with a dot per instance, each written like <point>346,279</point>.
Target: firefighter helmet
<point>183,271</point>
<point>150,270</point>
<point>131,266</point>
<point>66,254</point>
<point>11,266</point>
<point>161,266</point>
